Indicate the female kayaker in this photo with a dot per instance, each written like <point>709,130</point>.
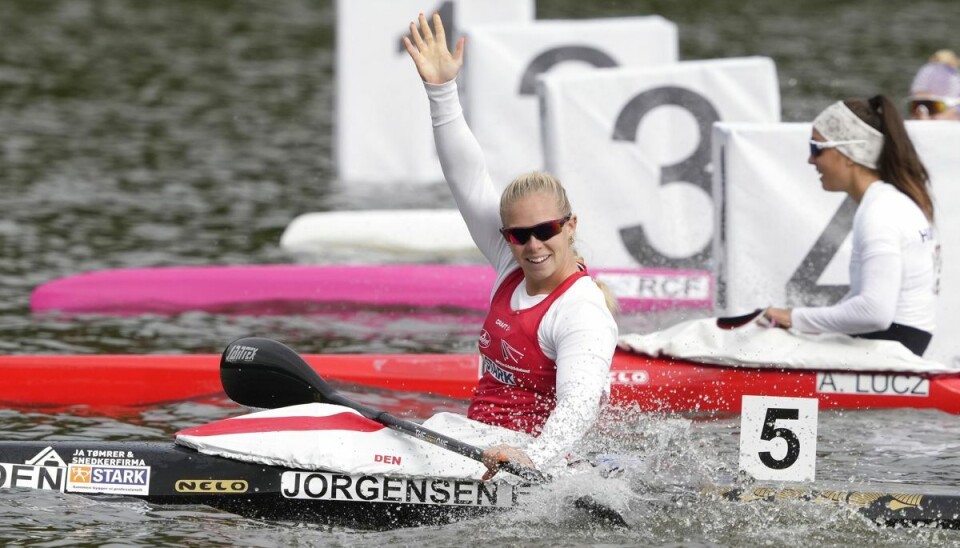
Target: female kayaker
<point>549,337</point>
<point>861,147</point>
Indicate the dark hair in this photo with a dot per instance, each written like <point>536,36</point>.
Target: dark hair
<point>899,163</point>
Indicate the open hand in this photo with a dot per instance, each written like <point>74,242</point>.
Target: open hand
<point>429,52</point>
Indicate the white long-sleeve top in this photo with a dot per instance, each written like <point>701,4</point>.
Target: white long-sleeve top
<point>893,270</point>
<point>578,332</point>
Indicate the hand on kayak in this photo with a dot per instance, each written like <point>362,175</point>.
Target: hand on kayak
<point>778,317</point>
<point>434,61</point>
<point>499,454</point>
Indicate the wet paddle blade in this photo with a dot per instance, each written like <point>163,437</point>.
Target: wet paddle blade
<point>733,322</point>
<point>260,372</point>
<point>600,512</point>
<point>264,373</point>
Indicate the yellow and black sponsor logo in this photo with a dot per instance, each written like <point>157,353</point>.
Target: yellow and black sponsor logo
<point>211,486</point>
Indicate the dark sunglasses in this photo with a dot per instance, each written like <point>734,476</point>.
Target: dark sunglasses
<point>817,147</point>
<point>930,106</point>
<point>543,231</point>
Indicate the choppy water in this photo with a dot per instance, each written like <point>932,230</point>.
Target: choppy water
<point>136,133</point>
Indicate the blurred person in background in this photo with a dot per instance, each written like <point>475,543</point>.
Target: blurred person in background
<point>935,91</point>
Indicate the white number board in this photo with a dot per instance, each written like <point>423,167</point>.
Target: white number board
<point>504,61</point>
<point>632,147</point>
<point>383,130</point>
<point>778,438</point>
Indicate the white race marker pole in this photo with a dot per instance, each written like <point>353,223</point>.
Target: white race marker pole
<point>778,438</point>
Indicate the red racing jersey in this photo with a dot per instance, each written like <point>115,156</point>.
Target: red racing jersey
<point>518,384</point>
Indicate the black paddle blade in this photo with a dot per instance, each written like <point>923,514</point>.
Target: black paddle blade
<point>259,372</point>
<point>732,322</point>
<point>601,512</point>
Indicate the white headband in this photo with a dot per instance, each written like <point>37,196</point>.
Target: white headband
<point>838,123</point>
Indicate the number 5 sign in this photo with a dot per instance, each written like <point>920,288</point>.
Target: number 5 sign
<point>778,438</point>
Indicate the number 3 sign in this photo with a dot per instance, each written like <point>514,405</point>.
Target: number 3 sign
<point>778,438</point>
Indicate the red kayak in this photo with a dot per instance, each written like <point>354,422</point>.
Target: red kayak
<point>649,384</point>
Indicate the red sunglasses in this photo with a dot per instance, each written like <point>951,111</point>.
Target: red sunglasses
<point>543,231</point>
<point>931,105</point>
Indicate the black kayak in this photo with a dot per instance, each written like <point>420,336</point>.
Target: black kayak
<point>880,505</point>
<point>165,473</point>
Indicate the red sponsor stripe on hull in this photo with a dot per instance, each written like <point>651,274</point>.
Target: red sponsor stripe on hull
<point>340,421</point>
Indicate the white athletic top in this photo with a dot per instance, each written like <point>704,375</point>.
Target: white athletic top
<point>578,332</point>
<point>894,270</point>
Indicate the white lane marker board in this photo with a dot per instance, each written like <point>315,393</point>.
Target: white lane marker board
<point>778,438</point>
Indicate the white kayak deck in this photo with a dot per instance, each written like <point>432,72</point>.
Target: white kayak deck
<point>321,436</point>
<point>756,346</point>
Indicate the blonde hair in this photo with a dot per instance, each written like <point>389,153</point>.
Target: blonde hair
<point>532,183</point>
<point>542,182</point>
<point>945,57</point>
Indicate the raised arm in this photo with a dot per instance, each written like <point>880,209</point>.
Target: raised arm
<point>429,52</point>
<point>460,155</point>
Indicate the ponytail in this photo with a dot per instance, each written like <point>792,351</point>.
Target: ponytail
<point>899,163</point>
<point>608,297</point>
